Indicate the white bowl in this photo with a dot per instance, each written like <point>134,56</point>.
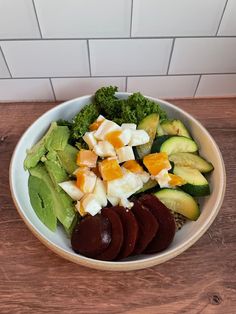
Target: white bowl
<point>60,244</point>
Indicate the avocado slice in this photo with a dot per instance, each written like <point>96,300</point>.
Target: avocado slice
<point>67,158</point>
<point>62,204</point>
<point>58,138</point>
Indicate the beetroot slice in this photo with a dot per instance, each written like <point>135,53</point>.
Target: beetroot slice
<point>91,236</point>
<point>166,231</point>
<point>148,226</point>
<point>116,235</point>
<point>130,228</point>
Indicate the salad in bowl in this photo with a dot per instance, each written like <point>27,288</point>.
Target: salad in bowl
<point>121,177</point>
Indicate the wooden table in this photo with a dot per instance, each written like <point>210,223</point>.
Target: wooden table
<point>201,280</point>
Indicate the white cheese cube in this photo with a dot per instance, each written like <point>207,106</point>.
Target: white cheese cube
<point>113,200</point>
<point>90,139</point>
<point>104,149</point>
<point>80,209</point>
<point>90,204</point>
<point>139,137</point>
<point>163,178</point>
<point>100,118</point>
<point>71,189</point>
<point>144,176</point>
<point>126,203</point>
<point>125,153</point>
<point>89,181</point>
<point>129,126</point>
<point>100,192</point>
<point>106,127</point>
<point>125,136</point>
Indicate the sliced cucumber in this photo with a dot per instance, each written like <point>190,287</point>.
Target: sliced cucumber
<point>147,186</point>
<point>173,144</point>
<point>180,202</point>
<point>196,185</point>
<point>149,124</point>
<point>192,161</point>
<point>174,127</point>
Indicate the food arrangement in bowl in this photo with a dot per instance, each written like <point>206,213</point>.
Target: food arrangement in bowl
<point>121,177</point>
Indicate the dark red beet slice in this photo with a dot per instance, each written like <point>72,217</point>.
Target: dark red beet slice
<point>116,235</point>
<point>148,226</point>
<point>130,228</point>
<point>91,236</point>
<point>166,231</point>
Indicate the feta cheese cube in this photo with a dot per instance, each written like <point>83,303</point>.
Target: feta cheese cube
<point>90,139</point>
<point>139,137</point>
<point>126,203</point>
<point>104,149</point>
<point>125,153</point>
<point>90,204</point>
<point>129,126</point>
<point>113,200</point>
<point>100,192</point>
<point>106,127</point>
<point>71,189</point>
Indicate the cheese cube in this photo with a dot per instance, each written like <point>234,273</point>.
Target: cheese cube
<point>163,178</point>
<point>86,180</point>
<point>144,176</point>
<point>125,136</point>
<point>80,209</point>
<point>110,169</point>
<point>86,158</point>
<point>126,203</point>
<point>113,200</point>
<point>106,127</point>
<point>90,139</point>
<point>104,149</point>
<point>125,153</point>
<point>96,124</point>
<point>71,189</point>
<point>90,204</point>
<point>129,126</point>
<point>100,192</point>
<point>139,137</point>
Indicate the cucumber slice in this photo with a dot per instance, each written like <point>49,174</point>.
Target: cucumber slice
<point>192,161</point>
<point>175,127</point>
<point>196,185</point>
<point>173,144</point>
<point>147,186</point>
<point>180,202</point>
<point>149,124</point>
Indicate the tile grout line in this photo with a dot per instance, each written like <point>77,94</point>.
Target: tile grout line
<point>126,83</point>
<point>218,28</point>
<point>89,58</point>
<point>200,76</point>
<point>53,91</point>
<point>171,52</point>
<point>5,60</point>
<point>131,19</point>
<point>35,12</point>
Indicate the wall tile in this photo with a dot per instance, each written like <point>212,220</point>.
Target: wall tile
<point>164,86</point>
<point>185,18</point>
<point>85,18</point>
<point>18,20</point>
<point>217,85</point>
<point>129,56</point>
<point>4,73</point>
<point>46,58</point>
<point>67,88</point>
<point>203,55</point>
<point>25,90</point>
<point>228,23</point>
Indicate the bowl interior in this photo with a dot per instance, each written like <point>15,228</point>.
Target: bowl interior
<point>58,241</point>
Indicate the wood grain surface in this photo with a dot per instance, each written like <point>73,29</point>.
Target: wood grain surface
<point>201,280</point>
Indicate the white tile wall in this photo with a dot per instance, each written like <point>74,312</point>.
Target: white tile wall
<point>203,55</point>
<point>217,85</point>
<point>164,86</point>
<point>176,18</point>
<point>18,20</point>
<point>4,73</point>
<point>67,88</point>
<point>25,90</point>
<point>46,58</point>
<point>129,56</point>
<point>228,24</point>
<point>84,18</point>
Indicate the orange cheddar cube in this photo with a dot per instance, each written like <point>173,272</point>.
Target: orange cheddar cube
<point>156,162</point>
<point>114,139</point>
<point>110,169</point>
<point>175,180</point>
<point>86,158</point>
<point>133,166</point>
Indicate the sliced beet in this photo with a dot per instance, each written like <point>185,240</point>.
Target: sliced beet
<point>91,236</point>
<point>130,228</point>
<point>116,235</point>
<point>166,231</point>
<point>148,226</point>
